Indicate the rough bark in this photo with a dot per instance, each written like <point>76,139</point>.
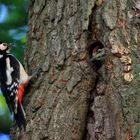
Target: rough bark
<point>115,109</point>
<point>67,102</point>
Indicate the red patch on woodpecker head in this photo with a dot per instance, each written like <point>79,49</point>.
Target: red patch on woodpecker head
<point>95,49</point>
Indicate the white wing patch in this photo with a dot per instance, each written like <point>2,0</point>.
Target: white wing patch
<point>1,55</point>
<point>9,70</point>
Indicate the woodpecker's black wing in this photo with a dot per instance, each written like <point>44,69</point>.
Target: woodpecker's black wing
<point>9,79</point>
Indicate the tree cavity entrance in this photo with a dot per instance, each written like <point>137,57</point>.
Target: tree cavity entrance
<point>96,52</point>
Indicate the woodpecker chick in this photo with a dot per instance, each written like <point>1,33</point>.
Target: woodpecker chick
<point>13,79</point>
<point>96,53</point>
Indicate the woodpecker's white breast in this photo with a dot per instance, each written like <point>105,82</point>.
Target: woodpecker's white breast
<point>23,75</point>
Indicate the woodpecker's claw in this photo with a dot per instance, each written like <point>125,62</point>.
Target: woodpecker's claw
<point>36,73</point>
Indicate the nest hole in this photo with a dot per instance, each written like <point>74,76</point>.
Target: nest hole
<point>94,45</point>
<point>93,51</point>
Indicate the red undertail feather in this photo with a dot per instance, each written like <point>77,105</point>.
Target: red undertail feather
<point>20,93</point>
<point>20,116</point>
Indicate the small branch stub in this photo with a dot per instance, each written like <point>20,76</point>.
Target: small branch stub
<point>128,77</point>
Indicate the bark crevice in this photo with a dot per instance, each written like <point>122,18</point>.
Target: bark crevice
<point>99,124</point>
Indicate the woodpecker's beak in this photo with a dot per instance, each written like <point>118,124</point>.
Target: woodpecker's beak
<point>10,46</point>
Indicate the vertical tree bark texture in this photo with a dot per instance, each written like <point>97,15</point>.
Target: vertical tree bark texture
<point>67,102</point>
<point>114,113</point>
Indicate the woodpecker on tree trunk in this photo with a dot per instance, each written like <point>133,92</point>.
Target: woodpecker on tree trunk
<point>13,79</point>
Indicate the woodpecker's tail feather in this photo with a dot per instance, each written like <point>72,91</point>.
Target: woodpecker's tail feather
<point>20,117</point>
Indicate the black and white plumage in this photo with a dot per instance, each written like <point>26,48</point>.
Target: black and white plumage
<point>97,54</point>
<point>12,75</point>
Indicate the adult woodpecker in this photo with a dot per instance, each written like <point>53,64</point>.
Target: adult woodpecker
<point>13,79</point>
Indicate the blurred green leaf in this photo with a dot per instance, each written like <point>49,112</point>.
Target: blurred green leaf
<point>13,24</point>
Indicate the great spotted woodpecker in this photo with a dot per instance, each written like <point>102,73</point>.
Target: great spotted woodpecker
<point>96,53</point>
<point>13,79</point>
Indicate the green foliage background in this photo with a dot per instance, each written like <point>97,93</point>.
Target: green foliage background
<point>13,24</point>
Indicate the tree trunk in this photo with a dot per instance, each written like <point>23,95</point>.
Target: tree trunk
<point>71,100</point>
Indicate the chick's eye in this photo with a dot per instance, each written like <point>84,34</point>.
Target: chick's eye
<point>99,50</point>
<point>4,44</point>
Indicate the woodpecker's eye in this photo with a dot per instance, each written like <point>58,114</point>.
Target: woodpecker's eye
<point>4,44</point>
